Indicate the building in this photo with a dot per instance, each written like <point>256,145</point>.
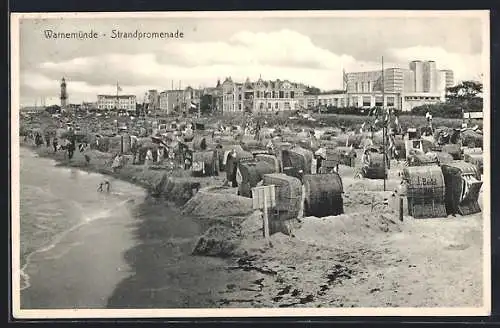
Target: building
<point>430,76</point>
<point>408,80</point>
<point>191,96</point>
<point>334,99</point>
<point>121,102</point>
<point>404,89</point>
<point>417,66</point>
<point>448,77</point>
<point>415,99</point>
<point>364,81</point>
<point>261,96</point>
<point>153,100</point>
<point>216,96</point>
<point>170,101</point>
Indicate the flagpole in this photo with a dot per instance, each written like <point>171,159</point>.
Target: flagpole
<point>117,98</point>
<point>384,127</point>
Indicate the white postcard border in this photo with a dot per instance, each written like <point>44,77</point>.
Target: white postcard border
<point>19,313</point>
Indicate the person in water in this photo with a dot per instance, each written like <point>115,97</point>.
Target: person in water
<point>102,184</point>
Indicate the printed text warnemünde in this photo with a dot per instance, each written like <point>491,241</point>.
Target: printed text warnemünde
<point>115,34</point>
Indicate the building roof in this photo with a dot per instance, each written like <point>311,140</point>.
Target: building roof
<point>115,96</point>
<point>265,83</point>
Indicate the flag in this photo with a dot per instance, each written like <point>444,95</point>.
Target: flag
<point>193,105</point>
<point>118,88</point>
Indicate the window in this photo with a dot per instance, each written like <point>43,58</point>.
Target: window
<point>273,94</point>
<point>357,87</point>
<point>366,101</point>
<point>390,101</point>
<point>269,105</point>
<point>239,106</point>
<point>276,105</point>
<point>292,94</point>
<point>281,94</point>
<point>239,96</point>
<point>379,101</point>
<point>287,105</point>
<point>261,105</point>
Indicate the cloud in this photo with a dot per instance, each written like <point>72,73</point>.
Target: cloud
<point>283,48</point>
<point>283,54</point>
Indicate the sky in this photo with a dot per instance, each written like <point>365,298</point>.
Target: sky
<point>310,50</point>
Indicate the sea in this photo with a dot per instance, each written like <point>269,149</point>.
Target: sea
<point>61,211</point>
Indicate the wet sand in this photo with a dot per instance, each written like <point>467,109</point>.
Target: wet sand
<point>166,274</point>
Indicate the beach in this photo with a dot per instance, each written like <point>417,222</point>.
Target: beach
<point>143,258</point>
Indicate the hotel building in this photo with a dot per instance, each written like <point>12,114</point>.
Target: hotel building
<point>262,96</point>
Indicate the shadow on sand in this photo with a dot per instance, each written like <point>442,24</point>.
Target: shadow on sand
<point>164,273</point>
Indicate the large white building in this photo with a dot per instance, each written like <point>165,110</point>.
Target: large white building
<point>120,102</point>
<point>422,83</point>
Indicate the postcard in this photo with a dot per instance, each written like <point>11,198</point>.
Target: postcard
<point>250,164</point>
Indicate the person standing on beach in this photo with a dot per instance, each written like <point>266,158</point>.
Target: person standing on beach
<point>365,161</point>
<point>232,169</point>
<point>149,158</point>
<point>116,163</point>
<point>71,147</point>
<point>38,140</point>
<point>55,144</point>
<point>47,140</point>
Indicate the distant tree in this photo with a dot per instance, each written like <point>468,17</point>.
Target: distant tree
<point>467,90</point>
<point>206,104</point>
<point>466,96</point>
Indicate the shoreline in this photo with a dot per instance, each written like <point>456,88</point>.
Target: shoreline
<point>158,267</point>
<point>42,152</point>
<point>176,191</point>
